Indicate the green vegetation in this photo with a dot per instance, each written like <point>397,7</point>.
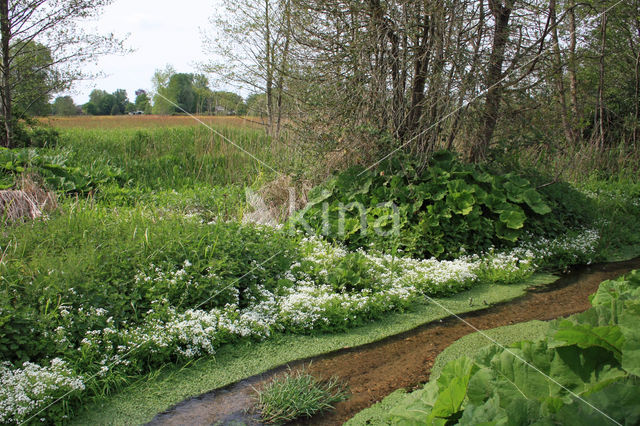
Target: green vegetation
<point>591,358</point>
<point>471,344</point>
<point>297,395</point>
<point>146,264</point>
<point>378,414</point>
<point>444,209</point>
<point>143,259</point>
<point>153,393</point>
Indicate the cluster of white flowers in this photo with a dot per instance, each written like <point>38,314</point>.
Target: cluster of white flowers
<point>574,248</point>
<point>181,275</point>
<point>29,388</point>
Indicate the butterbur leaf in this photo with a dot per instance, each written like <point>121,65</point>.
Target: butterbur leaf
<point>514,193</point>
<point>629,325</point>
<point>364,189</point>
<point>319,196</point>
<point>416,407</point>
<point>585,336</point>
<point>461,203</point>
<point>483,176</point>
<point>535,201</point>
<point>619,401</point>
<point>514,218</point>
<point>502,231</point>
<point>517,180</point>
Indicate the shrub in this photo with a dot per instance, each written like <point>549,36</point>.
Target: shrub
<point>35,136</point>
<point>433,211</point>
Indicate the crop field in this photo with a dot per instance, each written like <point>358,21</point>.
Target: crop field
<point>149,121</point>
<point>147,259</point>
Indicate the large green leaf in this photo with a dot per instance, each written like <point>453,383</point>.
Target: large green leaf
<point>416,407</point>
<point>585,336</point>
<point>630,327</point>
<point>489,413</point>
<point>535,201</point>
<point>452,385</point>
<point>505,233</point>
<point>618,401</point>
<point>513,218</point>
<point>516,180</point>
<point>461,202</point>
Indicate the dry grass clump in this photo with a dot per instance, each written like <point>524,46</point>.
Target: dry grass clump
<point>277,200</point>
<point>17,206</point>
<point>27,203</point>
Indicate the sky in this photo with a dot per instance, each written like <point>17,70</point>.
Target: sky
<point>161,32</point>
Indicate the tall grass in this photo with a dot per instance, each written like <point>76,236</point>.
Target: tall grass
<point>179,157</point>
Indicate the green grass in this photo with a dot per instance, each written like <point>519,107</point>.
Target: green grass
<point>297,395</point>
<point>175,158</point>
<point>467,345</point>
<point>154,393</point>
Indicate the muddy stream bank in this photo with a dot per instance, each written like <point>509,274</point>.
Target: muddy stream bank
<point>375,370</point>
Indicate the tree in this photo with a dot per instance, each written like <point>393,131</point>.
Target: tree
<point>227,103</point>
<point>53,25</point>
<point>103,103</point>
<point>254,40</point>
<point>501,14</point>
<point>34,81</point>
<point>174,92</point>
<point>160,83</point>
<point>65,106</point>
<point>256,105</point>
<point>143,102</point>
<point>121,100</point>
<point>180,91</point>
<point>100,103</point>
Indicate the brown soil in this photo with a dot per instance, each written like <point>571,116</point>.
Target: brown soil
<point>403,361</point>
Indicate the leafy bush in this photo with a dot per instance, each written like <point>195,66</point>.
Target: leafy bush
<point>91,257</point>
<point>592,359</point>
<point>439,210</point>
<point>53,168</point>
<point>35,136</point>
<point>297,395</point>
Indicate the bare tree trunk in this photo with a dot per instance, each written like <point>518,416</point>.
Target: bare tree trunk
<point>573,79</point>
<point>396,79</point>
<point>599,140</point>
<point>268,66</point>
<point>468,83</point>
<point>501,15</point>
<point>636,123</point>
<point>559,75</point>
<point>283,66</point>
<point>6,137</point>
<point>421,65</point>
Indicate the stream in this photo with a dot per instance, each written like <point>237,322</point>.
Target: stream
<point>375,370</point>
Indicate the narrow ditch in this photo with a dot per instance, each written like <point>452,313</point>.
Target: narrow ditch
<point>403,361</point>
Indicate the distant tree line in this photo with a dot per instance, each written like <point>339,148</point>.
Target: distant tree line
<point>175,93</point>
